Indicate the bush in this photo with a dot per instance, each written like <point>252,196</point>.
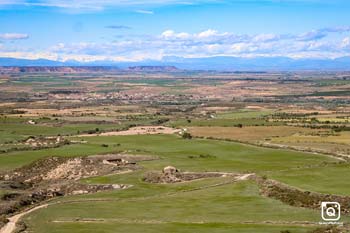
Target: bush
<point>186,135</point>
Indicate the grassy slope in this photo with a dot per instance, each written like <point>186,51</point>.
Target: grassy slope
<point>228,156</point>
<point>330,179</point>
<point>67,129</point>
<point>174,150</point>
<point>219,209</point>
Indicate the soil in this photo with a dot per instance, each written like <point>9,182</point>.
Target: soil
<point>137,130</point>
<point>56,176</point>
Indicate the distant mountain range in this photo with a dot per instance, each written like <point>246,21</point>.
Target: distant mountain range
<point>84,69</point>
<point>210,63</point>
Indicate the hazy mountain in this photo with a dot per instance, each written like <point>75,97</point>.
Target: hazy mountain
<point>58,69</point>
<point>210,63</point>
<point>4,61</point>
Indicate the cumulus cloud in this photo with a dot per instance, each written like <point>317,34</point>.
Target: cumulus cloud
<point>321,33</point>
<point>312,35</point>
<point>329,43</point>
<point>209,43</point>
<point>14,36</point>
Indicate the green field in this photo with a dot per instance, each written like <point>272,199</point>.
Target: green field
<point>14,129</point>
<point>184,207</point>
<point>219,209</point>
<point>244,114</point>
<point>175,207</point>
<point>228,156</point>
<point>224,122</point>
<point>329,179</point>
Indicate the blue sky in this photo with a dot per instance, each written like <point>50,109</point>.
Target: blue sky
<point>134,30</point>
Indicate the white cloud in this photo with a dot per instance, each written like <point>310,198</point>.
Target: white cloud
<point>201,44</point>
<point>312,35</point>
<point>13,36</point>
<point>147,12</point>
<point>170,34</point>
<point>207,33</point>
<point>100,4</point>
<point>346,43</point>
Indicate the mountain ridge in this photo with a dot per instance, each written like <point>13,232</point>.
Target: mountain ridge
<point>221,63</point>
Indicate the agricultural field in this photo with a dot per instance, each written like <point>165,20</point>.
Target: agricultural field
<point>173,151</point>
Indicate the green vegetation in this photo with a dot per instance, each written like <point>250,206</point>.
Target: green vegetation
<point>270,110</point>
<point>223,122</point>
<point>229,156</point>
<point>17,159</point>
<point>331,93</point>
<point>18,129</point>
<point>326,179</point>
<point>174,150</point>
<point>244,114</point>
<point>216,209</point>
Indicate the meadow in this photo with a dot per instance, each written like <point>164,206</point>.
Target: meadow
<point>194,205</point>
<point>221,209</point>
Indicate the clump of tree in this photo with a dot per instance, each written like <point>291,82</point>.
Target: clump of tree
<point>186,135</point>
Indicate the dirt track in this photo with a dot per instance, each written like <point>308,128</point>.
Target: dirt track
<point>11,225</point>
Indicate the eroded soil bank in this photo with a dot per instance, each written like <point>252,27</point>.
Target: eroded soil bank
<point>56,176</point>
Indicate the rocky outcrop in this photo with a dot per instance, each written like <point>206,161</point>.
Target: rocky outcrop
<point>171,174</point>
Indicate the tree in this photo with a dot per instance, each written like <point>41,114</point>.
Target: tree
<point>186,135</point>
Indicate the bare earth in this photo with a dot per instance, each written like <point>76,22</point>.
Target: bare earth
<point>137,130</point>
<point>11,225</point>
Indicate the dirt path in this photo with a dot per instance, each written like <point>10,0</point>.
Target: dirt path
<point>11,225</point>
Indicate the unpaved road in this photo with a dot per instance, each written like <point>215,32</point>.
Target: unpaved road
<point>11,225</point>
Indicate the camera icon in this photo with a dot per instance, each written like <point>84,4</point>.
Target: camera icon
<point>330,211</point>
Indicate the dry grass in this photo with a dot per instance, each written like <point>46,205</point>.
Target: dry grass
<point>298,137</point>
<point>137,131</point>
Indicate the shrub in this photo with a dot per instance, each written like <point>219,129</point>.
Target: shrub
<point>186,135</point>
